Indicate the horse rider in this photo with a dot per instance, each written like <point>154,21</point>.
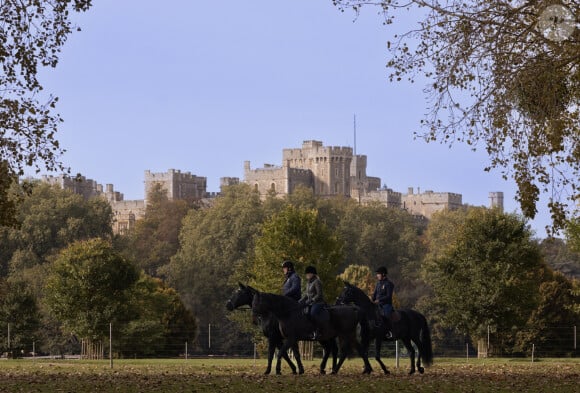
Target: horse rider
<point>383,294</point>
<point>314,299</point>
<point>292,284</point>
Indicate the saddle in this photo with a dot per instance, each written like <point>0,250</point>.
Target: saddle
<point>395,316</point>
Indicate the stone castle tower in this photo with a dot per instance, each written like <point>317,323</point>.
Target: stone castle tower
<point>327,170</point>
<point>496,200</point>
<point>330,166</point>
<point>179,185</point>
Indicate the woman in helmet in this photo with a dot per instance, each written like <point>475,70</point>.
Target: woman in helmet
<point>292,283</point>
<point>314,298</point>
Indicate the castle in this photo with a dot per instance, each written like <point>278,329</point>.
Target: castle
<point>336,171</point>
<point>329,171</point>
<point>178,186</point>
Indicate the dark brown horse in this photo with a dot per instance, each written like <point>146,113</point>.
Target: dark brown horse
<point>295,326</point>
<point>411,327</point>
<point>269,324</point>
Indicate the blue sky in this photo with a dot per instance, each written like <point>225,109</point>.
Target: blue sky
<point>202,86</point>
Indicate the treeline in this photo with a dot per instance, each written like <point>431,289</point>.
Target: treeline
<point>64,278</point>
<point>469,270</point>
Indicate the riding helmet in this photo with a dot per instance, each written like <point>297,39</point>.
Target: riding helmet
<point>311,270</point>
<point>382,270</point>
<point>288,264</point>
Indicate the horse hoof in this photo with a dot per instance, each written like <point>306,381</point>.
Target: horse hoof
<point>367,371</point>
<point>294,372</point>
<point>322,372</point>
<point>301,371</point>
<point>278,372</point>
<point>387,372</point>
<point>267,372</point>
<point>421,370</point>
<point>411,372</point>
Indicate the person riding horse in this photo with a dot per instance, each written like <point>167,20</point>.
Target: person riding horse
<point>292,283</point>
<point>314,299</point>
<point>383,296</point>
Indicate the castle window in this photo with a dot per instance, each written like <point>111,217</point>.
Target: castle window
<point>273,187</point>
<point>359,174</point>
<point>336,172</point>
<point>256,186</point>
<point>336,188</point>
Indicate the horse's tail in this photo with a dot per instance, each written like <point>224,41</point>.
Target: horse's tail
<point>427,352</point>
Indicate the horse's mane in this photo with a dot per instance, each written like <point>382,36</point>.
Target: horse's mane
<point>360,293</point>
<point>279,305</point>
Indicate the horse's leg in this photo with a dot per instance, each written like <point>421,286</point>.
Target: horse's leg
<point>419,345</point>
<point>296,351</point>
<point>364,354</point>
<point>378,345</point>
<point>343,351</point>
<point>287,359</point>
<point>411,350</point>
<point>271,350</point>
<point>326,353</point>
<point>334,348</point>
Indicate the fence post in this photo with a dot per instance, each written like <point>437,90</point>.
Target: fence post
<point>9,339</point>
<point>467,350</point>
<point>33,350</point>
<point>487,350</point>
<point>255,353</point>
<point>111,345</point>
<point>397,354</point>
<point>533,349</point>
<point>186,350</point>
<point>209,336</point>
<point>575,337</point>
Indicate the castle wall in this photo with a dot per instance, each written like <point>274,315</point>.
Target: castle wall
<point>179,185</point>
<point>429,202</point>
<point>267,180</point>
<point>387,197</point>
<point>125,215</point>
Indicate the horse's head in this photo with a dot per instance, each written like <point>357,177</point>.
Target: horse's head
<point>347,295</point>
<point>241,297</point>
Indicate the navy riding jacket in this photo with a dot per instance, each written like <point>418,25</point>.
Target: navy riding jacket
<point>384,291</point>
<point>292,286</point>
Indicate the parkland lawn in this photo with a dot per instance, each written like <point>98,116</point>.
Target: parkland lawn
<point>227,375</point>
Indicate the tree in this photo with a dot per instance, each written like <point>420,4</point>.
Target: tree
<point>376,235</point>
<point>484,269</point>
<point>51,218</point>
<point>89,287</point>
<point>214,244</point>
<point>155,238</point>
<point>550,323</point>
<point>162,324</point>
<point>359,275</point>
<point>33,35</point>
<point>19,310</point>
<point>298,235</point>
<point>560,256</point>
<point>573,234</point>
<point>498,76</point>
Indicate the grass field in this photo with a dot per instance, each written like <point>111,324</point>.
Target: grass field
<point>226,375</point>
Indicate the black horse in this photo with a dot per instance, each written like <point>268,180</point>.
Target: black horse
<point>269,324</point>
<point>295,326</point>
<point>407,325</point>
